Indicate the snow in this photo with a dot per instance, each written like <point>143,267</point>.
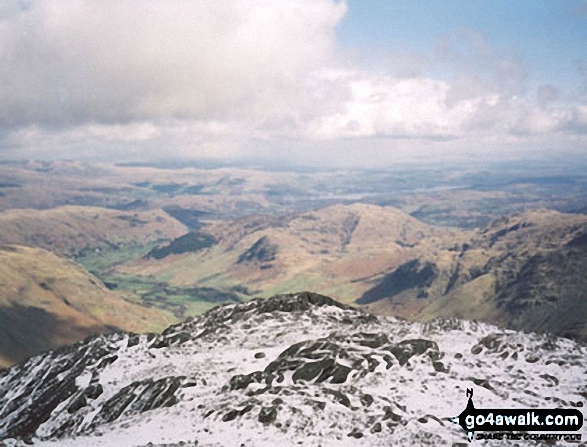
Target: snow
<point>421,396</point>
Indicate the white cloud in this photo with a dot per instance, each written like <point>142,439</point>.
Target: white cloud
<point>257,79</point>
<point>386,106</point>
<point>75,61</point>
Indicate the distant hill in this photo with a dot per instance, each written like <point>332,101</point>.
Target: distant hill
<point>332,250</point>
<point>47,301</point>
<point>525,271</point>
<point>70,230</point>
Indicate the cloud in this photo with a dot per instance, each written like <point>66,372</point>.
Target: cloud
<point>253,79</point>
<point>428,109</point>
<point>110,61</point>
<point>394,107</point>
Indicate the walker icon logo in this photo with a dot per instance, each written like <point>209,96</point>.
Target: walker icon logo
<point>461,418</point>
<point>517,419</point>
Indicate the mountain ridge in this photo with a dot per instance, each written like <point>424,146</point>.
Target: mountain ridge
<point>326,250</point>
<point>522,271</point>
<point>297,368</point>
<point>69,230</point>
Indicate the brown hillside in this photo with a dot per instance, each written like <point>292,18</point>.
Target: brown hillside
<point>331,250</point>
<point>47,301</point>
<point>68,230</point>
<point>525,271</point>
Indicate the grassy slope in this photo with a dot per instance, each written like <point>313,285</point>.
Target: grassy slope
<point>70,230</point>
<point>330,251</point>
<point>525,271</point>
<point>47,301</point>
<point>341,251</point>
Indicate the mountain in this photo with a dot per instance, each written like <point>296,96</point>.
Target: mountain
<point>331,250</point>
<point>525,271</point>
<point>47,301</point>
<point>296,369</point>
<point>71,230</point>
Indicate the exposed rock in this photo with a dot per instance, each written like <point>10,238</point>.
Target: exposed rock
<point>139,397</point>
<point>267,415</point>
<point>330,375</point>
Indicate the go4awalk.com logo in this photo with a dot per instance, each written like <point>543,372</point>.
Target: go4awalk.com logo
<point>509,422</point>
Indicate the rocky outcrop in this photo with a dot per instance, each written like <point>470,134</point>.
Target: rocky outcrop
<point>290,370</point>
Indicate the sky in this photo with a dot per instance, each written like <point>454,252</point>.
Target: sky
<point>364,83</point>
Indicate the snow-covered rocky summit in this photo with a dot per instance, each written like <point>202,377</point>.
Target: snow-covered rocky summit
<point>296,369</point>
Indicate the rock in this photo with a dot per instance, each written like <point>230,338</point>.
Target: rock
<point>439,367</point>
<point>36,399</point>
<point>78,403</point>
<point>404,350</point>
<point>139,397</point>
<point>339,397</point>
<point>93,391</point>
<point>312,370</point>
<point>345,378</point>
<point>367,400</point>
<point>267,415</point>
<point>376,428</point>
<point>355,433</point>
<point>231,415</point>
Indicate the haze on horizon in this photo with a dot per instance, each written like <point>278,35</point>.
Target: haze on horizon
<point>306,82</point>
